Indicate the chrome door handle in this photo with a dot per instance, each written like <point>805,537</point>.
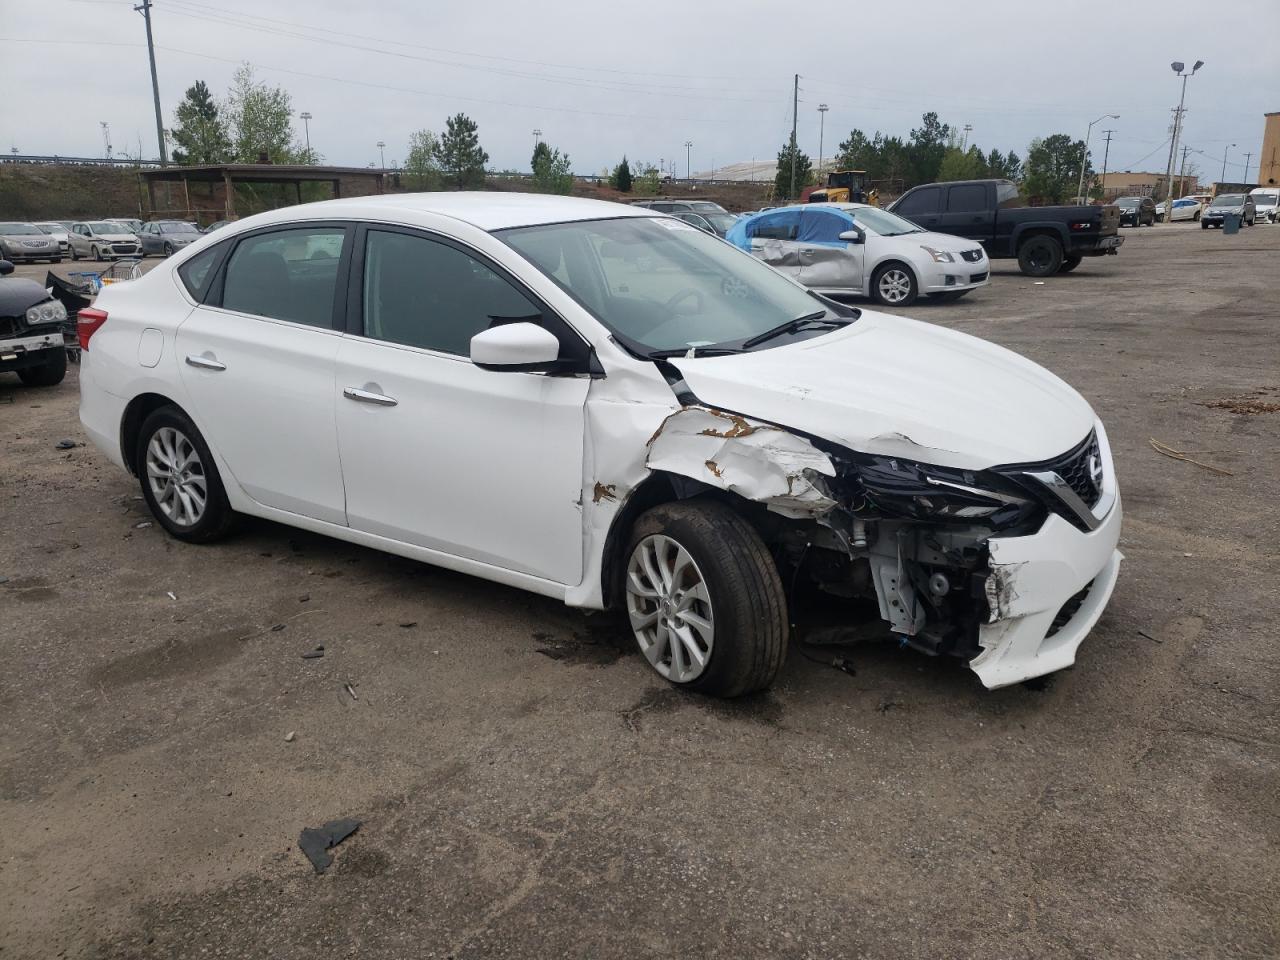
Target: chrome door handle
<point>205,363</point>
<point>365,396</point>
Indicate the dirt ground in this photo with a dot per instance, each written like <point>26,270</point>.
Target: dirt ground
<point>528,788</point>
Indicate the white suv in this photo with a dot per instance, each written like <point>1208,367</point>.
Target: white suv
<point>608,406</point>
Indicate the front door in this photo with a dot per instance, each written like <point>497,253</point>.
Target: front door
<point>258,364</point>
<point>437,452</point>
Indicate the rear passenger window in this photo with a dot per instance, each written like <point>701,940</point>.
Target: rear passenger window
<point>422,293</point>
<point>286,275</point>
<point>923,201</point>
<point>197,273</point>
<point>970,198</point>
<point>775,226</point>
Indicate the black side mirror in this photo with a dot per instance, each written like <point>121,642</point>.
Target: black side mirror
<point>6,268</point>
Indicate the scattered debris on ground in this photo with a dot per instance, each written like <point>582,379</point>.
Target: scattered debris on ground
<point>315,654</point>
<point>66,444</point>
<point>290,736</point>
<point>351,690</point>
<point>1262,400</point>
<point>317,842</point>
<point>1168,451</point>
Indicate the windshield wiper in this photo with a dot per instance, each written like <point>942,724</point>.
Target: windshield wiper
<point>792,326</point>
<point>695,351</point>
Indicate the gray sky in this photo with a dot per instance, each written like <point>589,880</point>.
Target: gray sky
<point>601,79</point>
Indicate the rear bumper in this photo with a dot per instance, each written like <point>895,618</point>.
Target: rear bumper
<point>101,413</point>
<point>1046,591</point>
<point>1096,246</point>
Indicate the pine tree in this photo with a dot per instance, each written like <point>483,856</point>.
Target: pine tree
<point>622,176</point>
<point>200,135</point>
<point>459,153</point>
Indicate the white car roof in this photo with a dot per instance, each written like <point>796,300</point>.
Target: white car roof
<point>483,209</point>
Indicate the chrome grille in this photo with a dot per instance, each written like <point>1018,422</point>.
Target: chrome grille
<point>1081,468</point>
<point>973,256</point>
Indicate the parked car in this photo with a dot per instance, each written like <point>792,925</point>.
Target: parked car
<point>166,237</point>
<point>678,206</point>
<point>1266,203</point>
<point>31,321</point>
<point>26,241</point>
<point>1187,208</point>
<point>1241,204</point>
<point>135,225</point>
<point>217,225</point>
<point>713,223</point>
<point>855,248</point>
<point>103,240</point>
<point>692,433</point>
<point>58,232</point>
<point>1044,240</point>
<point>1137,211</point>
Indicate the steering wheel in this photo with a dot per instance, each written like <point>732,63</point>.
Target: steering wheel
<point>682,295</point>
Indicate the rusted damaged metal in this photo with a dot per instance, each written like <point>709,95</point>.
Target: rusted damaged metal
<point>604,491</point>
<point>758,461</point>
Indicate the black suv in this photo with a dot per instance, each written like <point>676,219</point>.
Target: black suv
<point>1136,211</point>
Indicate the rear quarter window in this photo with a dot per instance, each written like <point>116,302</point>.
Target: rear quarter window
<point>198,272</point>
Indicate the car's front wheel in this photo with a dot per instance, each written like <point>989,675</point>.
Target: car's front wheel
<point>894,285</point>
<point>179,479</point>
<point>704,598</point>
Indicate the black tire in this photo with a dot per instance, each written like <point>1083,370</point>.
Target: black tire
<point>913,288</point>
<point>946,296</point>
<point>1196,215</point>
<point>168,249</point>
<point>48,374</point>
<point>75,254</point>
<point>1203,225</point>
<point>1070,262</point>
<point>97,254</point>
<point>218,518</point>
<point>1040,256</point>
<point>748,602</point>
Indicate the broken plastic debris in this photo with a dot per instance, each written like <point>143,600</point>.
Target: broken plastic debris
<point>315,654</point>
<point>316,843</point>
<point>1039,283</point>
<point>290,737</point>
<point>351,690</point>
<point>66,444</point>
<point>409,623</point>
<point>277,628</point>
<point>171,595</point>
<point>143,525</point>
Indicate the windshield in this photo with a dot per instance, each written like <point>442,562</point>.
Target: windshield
<point>109,229</point>
<point>659,284</point>
<point>1129,202</point>
<point>882,222</point>
<point>52,227</point>
<point>178,226</point>
<point>1228,200</point>
<point>19,229</point>
<point>1266,199</point>
<point>706,206</point>
<point>721,221</point>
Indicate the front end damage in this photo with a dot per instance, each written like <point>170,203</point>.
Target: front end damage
<point>1007,568</point>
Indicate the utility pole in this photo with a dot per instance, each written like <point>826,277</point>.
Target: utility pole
<point>1223,178</point>
<point>306,124</point>
<point>1182,173</point>
<point>145,9</point>
<point>106,138</point>
<point>382,154</point>
<point>688,160</point>
<point>1084,158</point>
<point>1247,158</point>
<point>822,129</point>
<point>964,141</point>
<point>795,106</point>
<point>1106,153</point>
<point>1178,67</point>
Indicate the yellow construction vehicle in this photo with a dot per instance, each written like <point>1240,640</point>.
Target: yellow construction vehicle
<point>843,186</point>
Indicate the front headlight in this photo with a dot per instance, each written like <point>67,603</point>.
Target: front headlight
<point>939,256</point>
<point>51,312</point>
<point>918,491</point>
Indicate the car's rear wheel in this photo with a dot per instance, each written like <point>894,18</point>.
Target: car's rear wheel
<point>894,285</point>
<point>704,599</point>
<point>168,249</point>
<point>179,479</point>
<point>1040,256</point>
<point>1070,262</point>
<point>48,374</point>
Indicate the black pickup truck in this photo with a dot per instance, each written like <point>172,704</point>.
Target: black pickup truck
<point>1043,239</point>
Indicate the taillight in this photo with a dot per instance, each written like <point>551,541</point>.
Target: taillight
<point>88,322</point>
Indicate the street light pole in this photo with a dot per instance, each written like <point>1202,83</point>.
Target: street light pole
<point>1177,66</point>
<point>964,142</point>
<point>1247,158</point>
<point>688,163</point>
<point>382,156</point>
<point>1223,178</point>
<point>306,125</point>
<point>1084,157</point>
<point>822,129</point>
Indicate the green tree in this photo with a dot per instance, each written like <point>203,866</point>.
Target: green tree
<point>552,172</point>
<point>926,148</point>
<point>200,134</point>
<point>649,181</point>
<point>789,154</point>
<point>621,177</point>
<point>260,121</point>
<point>540,152</point>
<point>459,154</point>
<point>960,164</point>
<point>421,169</point>
<point>1052,169</point>
<point>1004,167</point>
<point>856,152</point>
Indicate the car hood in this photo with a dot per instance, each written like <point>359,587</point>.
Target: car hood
<point>896,387</point>
<point>20,237</point>
<point>115,237</point>
<point>19,293</point>
<point>940,241</point>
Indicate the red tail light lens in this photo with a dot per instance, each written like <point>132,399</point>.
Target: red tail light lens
<point>88,322</point>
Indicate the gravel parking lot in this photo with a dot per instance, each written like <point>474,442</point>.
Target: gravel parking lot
<point>527,786</point>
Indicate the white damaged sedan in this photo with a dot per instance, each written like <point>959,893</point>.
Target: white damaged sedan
<point>608,406</point>
<point>854,248</point>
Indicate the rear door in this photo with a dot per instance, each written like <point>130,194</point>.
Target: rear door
<point>257,361</point>
<point>966,212</point>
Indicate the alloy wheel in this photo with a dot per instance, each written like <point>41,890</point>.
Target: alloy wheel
<point>895,285</point>
<point>669,605</point>
<point>176,476</point>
